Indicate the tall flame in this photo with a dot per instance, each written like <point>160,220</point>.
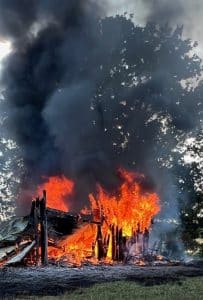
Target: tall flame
<point>131,210</point>
<point>59,190</point>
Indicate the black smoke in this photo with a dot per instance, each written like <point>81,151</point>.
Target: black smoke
<point>86,95</point>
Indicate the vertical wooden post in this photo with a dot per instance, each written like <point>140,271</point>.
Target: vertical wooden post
<point>120,245</point>
<point>117,243</point>
<point>99,242</point>
<point>107,244</point>
<point>145,241</point>
<point>36,228</point>
<point>113,242</point>
<point>43,223</point>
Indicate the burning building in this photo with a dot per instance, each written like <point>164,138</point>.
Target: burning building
<point>82,96</point>
<point>114,228</point>
<point>117,223</point>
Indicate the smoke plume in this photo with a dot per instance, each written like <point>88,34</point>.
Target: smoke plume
<point>70,102</point>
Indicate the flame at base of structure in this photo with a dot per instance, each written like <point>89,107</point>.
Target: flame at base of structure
<point>117,229</point>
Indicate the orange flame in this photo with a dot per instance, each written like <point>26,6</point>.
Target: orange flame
<point>79,245</point>
<point>131,210</point>
<point>59,190</point>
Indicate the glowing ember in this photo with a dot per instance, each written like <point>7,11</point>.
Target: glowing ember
<point>78,246</point>
<point>59,190</point>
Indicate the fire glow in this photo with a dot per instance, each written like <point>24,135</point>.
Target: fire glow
<point>119,216</point>
<point>58,189</point>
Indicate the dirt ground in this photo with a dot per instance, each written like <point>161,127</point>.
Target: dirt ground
<point>57,280</point>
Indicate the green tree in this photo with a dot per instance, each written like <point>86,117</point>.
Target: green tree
<point>115,94</point>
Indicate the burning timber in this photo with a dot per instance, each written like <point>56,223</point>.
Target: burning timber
<point>25,240</point>
<point>49,236</point>
<point>113,228</point>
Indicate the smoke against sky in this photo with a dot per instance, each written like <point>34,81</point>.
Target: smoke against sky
<point>182,12</point>
<point>67,101</point>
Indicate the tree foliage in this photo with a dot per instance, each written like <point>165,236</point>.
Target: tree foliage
<point>127,98</point>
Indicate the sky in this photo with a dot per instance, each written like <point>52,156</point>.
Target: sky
<point>5,49</point>
<point>182,12</point>
<point>188,13</point>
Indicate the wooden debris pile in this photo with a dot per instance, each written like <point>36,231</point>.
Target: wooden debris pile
<point>25,240</point>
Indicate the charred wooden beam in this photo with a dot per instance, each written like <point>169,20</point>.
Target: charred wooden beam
<point>17,259</point>
<point>61,223</point>
<point>145,241</point>
<point>99,242</point>
<point>113,242</point>
<point>117,243</point>
<point>6,252</point>
<point>120,243</point>
<point>36,229</point>
<point>43,225</point>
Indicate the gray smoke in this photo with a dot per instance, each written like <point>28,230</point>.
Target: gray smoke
<point>71,104</point>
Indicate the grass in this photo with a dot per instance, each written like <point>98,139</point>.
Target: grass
<point>189,289</point>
